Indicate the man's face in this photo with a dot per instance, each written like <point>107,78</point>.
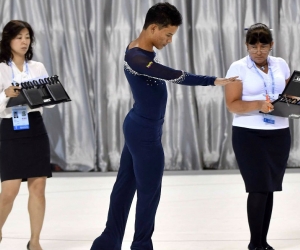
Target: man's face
<point>163,36</point>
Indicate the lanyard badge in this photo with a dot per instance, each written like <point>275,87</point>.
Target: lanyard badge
<point>19,114</point>
<point>20,118</point>
<point>267,118</point>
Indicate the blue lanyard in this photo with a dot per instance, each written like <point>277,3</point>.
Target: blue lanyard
<point>12,71</point>
<point>272,76</point>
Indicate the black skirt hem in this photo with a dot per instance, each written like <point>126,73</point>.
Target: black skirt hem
<point>262,157</point>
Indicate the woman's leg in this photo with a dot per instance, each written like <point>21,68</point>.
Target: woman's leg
<point>9,191</point>
<point>36,209</point>
<point>267,219</point>
<point>256,207</point>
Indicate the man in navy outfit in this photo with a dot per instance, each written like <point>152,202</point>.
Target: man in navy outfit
<point>142,159</point>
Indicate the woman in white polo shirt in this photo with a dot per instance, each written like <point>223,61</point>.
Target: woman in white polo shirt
<point>261,142</point>
<point>25,151</point>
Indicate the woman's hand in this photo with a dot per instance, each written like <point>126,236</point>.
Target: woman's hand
<point>12,91</point>
<point>265,106</point>
<point>225,81</point>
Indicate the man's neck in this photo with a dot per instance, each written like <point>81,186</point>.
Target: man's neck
<point>142,42</point>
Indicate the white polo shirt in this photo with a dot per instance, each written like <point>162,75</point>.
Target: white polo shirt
<point>35,70</point>
<point>254,89</point>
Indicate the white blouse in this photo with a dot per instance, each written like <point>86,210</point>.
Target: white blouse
<point>35,70</point>
<point>254,89</point>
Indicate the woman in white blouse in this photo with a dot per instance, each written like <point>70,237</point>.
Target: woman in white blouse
<point>25,151</point>
<point>261,142</point>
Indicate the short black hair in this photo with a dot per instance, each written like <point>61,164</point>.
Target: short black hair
<point>10,31</point>
<point>163,14</point>
<point>259,33</point>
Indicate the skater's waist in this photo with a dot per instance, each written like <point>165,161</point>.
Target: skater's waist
<point>145,121</point>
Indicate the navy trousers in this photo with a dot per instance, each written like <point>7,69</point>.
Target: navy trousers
<point>141,170</point>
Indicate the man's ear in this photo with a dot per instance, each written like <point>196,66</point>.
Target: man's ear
<point>153,27</point>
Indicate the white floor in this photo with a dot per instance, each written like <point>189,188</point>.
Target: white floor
<point>199,210</point>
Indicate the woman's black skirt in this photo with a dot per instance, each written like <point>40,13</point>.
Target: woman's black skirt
<point>24,153</point>
<point>262,157</point>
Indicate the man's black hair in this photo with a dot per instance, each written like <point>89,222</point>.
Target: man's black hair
<point>163,15</point>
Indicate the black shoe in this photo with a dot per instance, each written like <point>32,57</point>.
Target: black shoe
<point>28,248</point>
<point>250,247</point>
<point>268,247</point>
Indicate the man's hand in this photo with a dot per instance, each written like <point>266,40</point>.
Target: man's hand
<point>12,91</point>
<point>224,81</point>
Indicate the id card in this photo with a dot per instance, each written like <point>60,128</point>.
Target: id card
<point>269,119</point>
<point>20,118</point>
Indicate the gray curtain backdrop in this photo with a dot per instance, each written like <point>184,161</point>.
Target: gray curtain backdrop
<point>83,42</point>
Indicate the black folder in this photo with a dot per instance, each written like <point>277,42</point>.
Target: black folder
<point>44,92</point>
<point>15,101</point>
<point>286,105</point>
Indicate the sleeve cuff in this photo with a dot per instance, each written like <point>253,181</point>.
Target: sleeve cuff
<point>3,97</point>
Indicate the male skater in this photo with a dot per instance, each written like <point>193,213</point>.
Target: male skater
<point>142,159</point>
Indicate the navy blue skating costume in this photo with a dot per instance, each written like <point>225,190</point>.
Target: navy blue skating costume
<point>142,159</point>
